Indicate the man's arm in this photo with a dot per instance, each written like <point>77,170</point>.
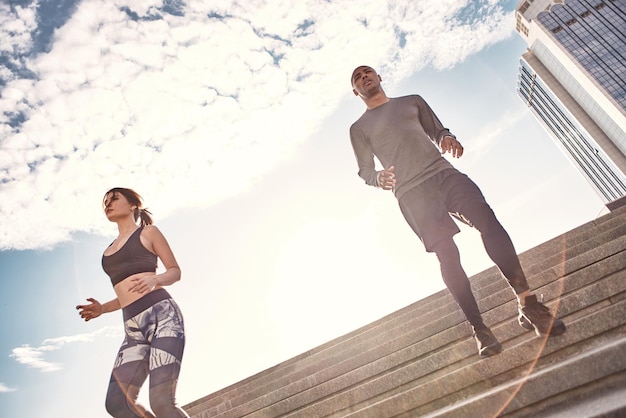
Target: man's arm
<point>435,130</point>
<point>364,156</point>
<point>430,122</point>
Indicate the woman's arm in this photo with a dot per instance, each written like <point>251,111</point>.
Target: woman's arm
<point>95,308</point>
<point>153,240</point>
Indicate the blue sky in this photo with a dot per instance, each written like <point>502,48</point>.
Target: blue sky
<point>232,121</point>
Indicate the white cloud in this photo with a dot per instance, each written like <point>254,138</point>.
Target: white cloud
<point>492,134</point>
<point>34,356</point>
<point>16,26</point>
<point>4,388</point>
<point>191,109</point>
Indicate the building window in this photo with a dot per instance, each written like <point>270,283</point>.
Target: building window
<point>524,7</point>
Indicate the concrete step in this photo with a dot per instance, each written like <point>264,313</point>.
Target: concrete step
<point>580,235</point>
<point>530,395</point>
<point>498,385</point>
<point>552,253</point>
<point>591,295</point>
<point>432,335</point>
<point>447,366</point>
<point>604,398</point>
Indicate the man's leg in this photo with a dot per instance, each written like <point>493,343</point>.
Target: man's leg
<point>424,209</point>
<point>456,280</point>
<point>467,203</point>
<point>458,283</point>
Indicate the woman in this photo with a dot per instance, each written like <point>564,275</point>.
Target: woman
<point>155,336</point>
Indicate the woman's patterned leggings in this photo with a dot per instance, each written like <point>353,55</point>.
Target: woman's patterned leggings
<point>154,344</point>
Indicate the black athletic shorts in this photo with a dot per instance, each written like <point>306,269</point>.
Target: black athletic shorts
<point>428,207</point>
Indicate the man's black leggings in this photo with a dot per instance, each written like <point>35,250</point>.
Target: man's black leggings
<point>456,279</point>
<point>477,213</point>
<point>428,208</point>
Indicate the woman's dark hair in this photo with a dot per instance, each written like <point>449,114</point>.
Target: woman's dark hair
<point>134,199</point>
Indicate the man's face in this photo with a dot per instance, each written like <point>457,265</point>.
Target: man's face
<point>364,81</point>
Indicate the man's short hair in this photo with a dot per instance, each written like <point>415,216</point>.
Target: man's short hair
<point>360,66</point>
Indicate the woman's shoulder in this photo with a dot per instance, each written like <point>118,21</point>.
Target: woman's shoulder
<point>152,233</point>
<point>150,230</point>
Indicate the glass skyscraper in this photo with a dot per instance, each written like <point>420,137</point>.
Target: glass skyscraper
<point>573,78</point>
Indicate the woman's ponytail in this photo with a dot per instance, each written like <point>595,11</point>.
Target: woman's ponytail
<point>144,215</point>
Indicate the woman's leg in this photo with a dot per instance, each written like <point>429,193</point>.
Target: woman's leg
<point>166,353</point>
<point>163,400</point>
<point>129,374</point>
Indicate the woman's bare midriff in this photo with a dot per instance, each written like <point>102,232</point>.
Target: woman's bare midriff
<point>124,295</point>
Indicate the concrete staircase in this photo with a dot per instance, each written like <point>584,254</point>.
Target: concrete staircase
<point>422,360</point>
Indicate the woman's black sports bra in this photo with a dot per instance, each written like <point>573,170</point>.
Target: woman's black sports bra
<point>131,259</point>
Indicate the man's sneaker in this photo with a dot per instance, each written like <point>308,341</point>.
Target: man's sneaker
<point>535,315</point>
<point>487,343</point>
<point>523,322</point>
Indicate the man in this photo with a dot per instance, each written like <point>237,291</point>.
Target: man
<point>408,139</point>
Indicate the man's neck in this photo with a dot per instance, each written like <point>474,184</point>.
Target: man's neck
<point>376,100</point>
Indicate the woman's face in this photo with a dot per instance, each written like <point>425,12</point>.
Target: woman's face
<point>116,206</point>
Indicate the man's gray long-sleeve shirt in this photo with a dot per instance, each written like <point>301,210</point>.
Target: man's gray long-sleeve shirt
<point>402,133</point>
